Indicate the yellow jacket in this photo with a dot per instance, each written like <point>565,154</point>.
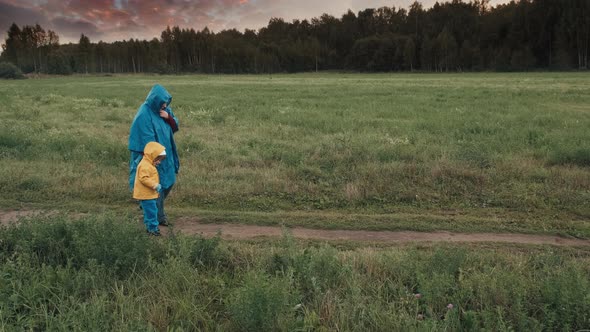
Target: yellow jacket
<point>147,178</point>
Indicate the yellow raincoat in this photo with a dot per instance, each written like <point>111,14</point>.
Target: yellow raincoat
<point>147,178</point>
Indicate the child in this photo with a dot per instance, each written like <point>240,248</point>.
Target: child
<point>147,185</point>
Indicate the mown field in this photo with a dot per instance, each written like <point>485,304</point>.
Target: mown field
<point>462,152</point>
<point>458,152</point>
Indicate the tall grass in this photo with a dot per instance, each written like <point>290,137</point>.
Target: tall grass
<point>103,273</point>
<point>479,144</point>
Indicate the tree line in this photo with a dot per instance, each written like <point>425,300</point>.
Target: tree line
<point>449,36</point>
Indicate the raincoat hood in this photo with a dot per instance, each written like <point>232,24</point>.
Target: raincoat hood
<point>152,151</point>
<point>158,96</point>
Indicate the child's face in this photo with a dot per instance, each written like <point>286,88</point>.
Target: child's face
<point>158,160</point>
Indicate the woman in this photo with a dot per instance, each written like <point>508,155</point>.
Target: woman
<point>155,122</point>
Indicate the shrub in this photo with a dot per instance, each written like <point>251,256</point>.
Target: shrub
<point>565,299</point>
<point>8,70</point>
<point>318,270</point>
<point>262,303</point>
<point>113,244</point>
<point>206,252</point>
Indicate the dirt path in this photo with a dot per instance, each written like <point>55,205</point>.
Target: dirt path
<point>236,231</point>
<point>9,216</point>
<point>191,226</point>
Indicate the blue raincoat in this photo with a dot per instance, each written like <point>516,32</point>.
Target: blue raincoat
<point>147,127</point>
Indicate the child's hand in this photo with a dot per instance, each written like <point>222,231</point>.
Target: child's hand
<point>164,114</point>
<point>158,188</point>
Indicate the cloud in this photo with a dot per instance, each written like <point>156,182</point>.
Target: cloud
<point>22,16</point>
<point>145,19</point>
<point>71,28</point>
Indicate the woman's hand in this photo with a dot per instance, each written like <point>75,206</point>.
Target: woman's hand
<point>164,114</point>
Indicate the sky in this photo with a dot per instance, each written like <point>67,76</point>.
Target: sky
<point>111,20</point>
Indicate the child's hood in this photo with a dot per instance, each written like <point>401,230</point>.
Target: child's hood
<point>158,95</point>
<point>152,150</point>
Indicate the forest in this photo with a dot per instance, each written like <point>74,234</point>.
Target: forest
<point>451,36</point>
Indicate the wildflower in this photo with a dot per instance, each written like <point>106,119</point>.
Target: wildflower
<point>418,295</point>
<point>450,306</point>
<point>420,317</point>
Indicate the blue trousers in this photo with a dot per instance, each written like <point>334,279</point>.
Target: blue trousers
<point>160,203</point>
<point>150,214</point>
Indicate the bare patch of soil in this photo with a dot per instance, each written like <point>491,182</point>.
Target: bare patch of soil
<point>7,217</point>
<point>237,231</point>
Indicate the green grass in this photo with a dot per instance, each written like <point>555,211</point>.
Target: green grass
<point>501,151</point>
<point>102,273</point>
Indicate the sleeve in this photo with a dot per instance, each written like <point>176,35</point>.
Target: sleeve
<point>172,120</point>
<point>143,174</point>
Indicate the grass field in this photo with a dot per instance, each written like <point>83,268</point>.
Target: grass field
<point>458,152</point>
<point>464,152</point>
<point>101,273</point>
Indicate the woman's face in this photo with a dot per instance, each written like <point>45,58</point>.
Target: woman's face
<point>163,107</point>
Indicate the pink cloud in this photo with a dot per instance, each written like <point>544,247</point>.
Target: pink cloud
<point>145,19</point>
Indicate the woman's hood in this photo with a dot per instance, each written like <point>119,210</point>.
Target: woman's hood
<point>158,96</point>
